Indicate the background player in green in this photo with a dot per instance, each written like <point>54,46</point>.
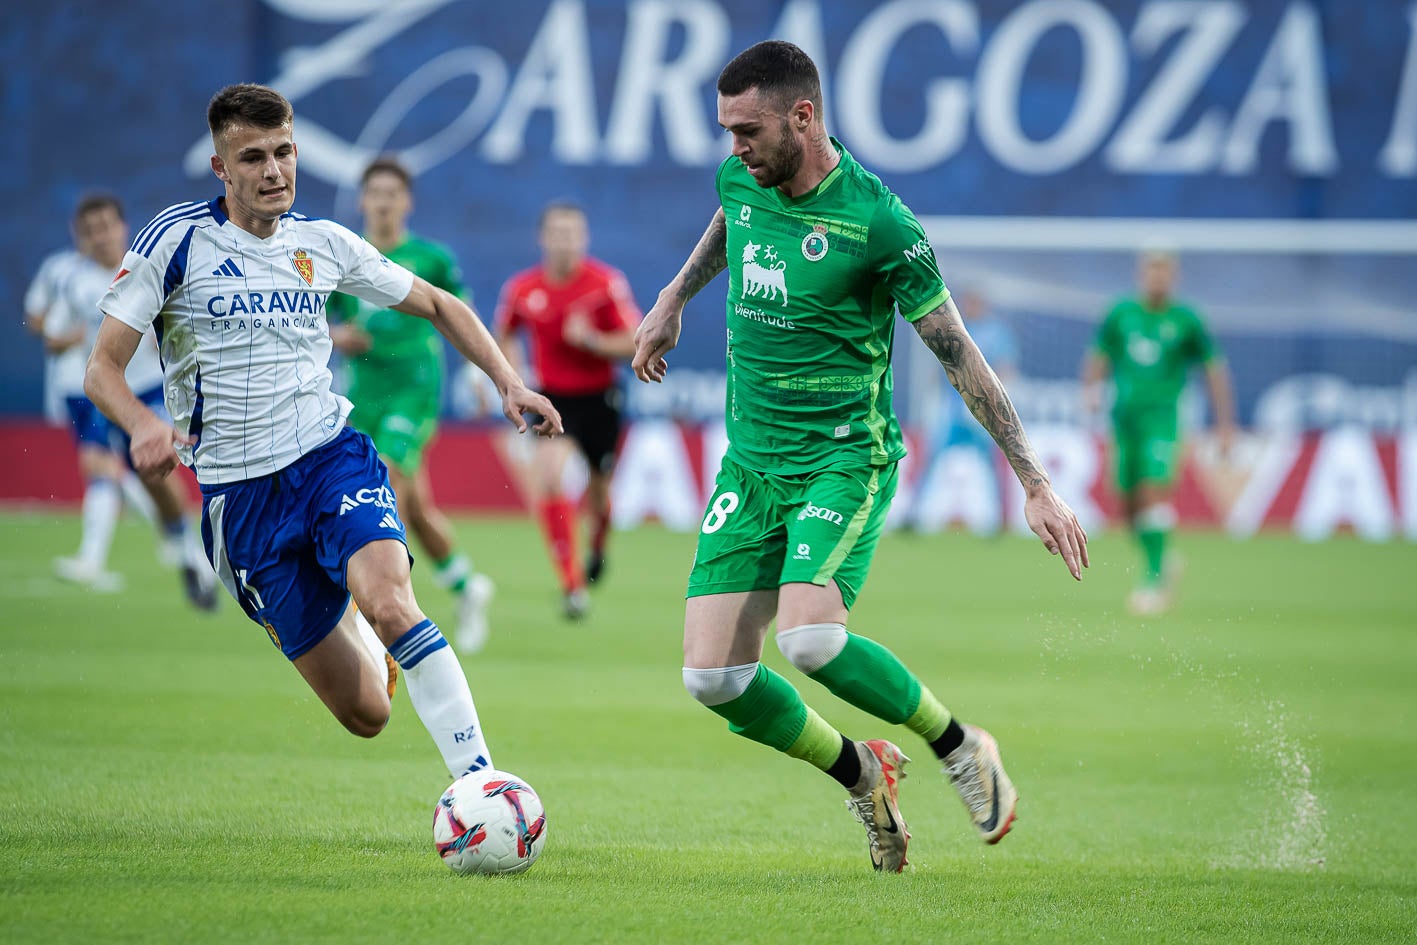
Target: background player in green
<point>820,255</point>
<point>1148,343</point>
<point>396,384</point>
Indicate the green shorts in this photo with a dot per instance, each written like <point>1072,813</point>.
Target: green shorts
<point>401,422</point>
<point>761,531</point>
<point>1146,452</point>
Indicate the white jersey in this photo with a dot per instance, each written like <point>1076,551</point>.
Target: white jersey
<point>66,291</point>
<point>241,322</point>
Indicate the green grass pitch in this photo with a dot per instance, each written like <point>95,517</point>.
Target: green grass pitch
<point>1243,770</point>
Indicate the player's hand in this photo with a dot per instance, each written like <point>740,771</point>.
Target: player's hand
<point>656,337</point>
<point>1225,441</point>
<point>154,448</point>
<point>1052,520</point>
<point>518,401</point>
<point>349,339</point>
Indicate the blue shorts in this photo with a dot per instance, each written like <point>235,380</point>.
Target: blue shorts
<point>281,543</point>
<point>89,425</point>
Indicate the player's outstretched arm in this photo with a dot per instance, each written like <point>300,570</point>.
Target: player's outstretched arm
<point>457,322</point>
<point>659,332</point>
<point>1050,518</point>
<point>153,439</point>
<point>1222,401</point>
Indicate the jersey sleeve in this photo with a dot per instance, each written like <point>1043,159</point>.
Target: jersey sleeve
<point>139,291</point>
<point>619,313</point>
<point>44,288</point>
<point>1108,341</point>
<point>368,273</point>
<point>901,256</point>
<point>504,320</point>
<point>1201,345</point>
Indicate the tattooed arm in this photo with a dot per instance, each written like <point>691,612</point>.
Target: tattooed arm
<point>944,334</point>
<point>659,332</point>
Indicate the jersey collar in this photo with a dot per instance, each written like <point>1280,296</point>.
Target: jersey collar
<point>824,185</point>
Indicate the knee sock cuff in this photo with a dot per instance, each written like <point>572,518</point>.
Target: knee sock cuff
<point>813,645</point>
<point>719,685</point>
<point>1156,518</point>
<point>415,645</point>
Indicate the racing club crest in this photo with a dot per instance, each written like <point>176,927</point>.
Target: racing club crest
<point>304,265</point>
<point>815,245</point>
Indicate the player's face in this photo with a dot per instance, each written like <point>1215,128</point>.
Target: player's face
<point>102,235</point>
<point>762,137</point>
<point>258,167</point>
<point>385,202</point>
<point>1157,276</point>
<point>564,239</point>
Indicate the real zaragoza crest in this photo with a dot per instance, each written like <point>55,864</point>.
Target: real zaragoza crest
<point>304,265</point>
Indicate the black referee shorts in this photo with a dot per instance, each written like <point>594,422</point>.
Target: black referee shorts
<point>593,421</point>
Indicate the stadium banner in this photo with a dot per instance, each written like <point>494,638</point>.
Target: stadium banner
<point>1041,142</point>
<point>1341,481</point>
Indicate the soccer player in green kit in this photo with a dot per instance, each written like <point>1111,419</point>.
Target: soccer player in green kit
<point>820,255</point>
<point>396,385</point>
<point>1148,343</point>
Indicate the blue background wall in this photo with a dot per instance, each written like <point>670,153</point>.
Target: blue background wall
<point>1071,109</point>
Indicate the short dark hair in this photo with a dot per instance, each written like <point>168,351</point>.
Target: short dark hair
<point>775,68</point>
<point>98,200</point>
<point>248,104</point>
<point>387,164</point>
<point>558,206</point>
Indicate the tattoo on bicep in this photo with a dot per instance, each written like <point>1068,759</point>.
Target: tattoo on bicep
<point>944,334</point>
<point>709,258</point>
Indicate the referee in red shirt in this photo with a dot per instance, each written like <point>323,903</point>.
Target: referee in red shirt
<point>578,318</point>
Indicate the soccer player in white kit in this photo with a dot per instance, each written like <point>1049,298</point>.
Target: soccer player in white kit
<point>65,294</point>
<point>298,515</point>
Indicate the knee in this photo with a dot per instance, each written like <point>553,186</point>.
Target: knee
<point>391,610</point>
<point>812,646</point>
<point>719,685</point>
<point>366,721</point>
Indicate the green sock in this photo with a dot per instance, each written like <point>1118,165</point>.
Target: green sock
<point>1153,546</point>
<point>873,679</point>
<point>771,712</point>
<point>452,572</point>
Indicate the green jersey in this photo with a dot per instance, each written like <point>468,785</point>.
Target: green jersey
<point>405,350</point>
<point>814,282</point>
<point>1150,353</point>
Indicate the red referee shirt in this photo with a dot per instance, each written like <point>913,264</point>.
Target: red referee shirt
<point>597,292</point>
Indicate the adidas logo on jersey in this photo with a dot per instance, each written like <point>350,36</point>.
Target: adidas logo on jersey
<point>227,268</point>
<point>389,521</point>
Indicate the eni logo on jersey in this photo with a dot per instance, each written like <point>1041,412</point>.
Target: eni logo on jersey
<point>770,281</point>
<point>304,266</point>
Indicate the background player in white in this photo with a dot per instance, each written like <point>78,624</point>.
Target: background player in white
<point>68,294</point>
<point>298,513</point>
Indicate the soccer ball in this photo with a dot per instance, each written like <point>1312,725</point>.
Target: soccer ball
<point>489,822</point>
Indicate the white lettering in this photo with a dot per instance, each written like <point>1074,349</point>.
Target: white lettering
<point>1289,87</point>
<point>654,478</point>
<point>1346,487</point>
<point>960,486</point>
<point>1140,143</point>
<point>862,71</point>
<point>1099,95</point>
<point>555,75</point>
<point>1398,157</point>
<point>647,76</point>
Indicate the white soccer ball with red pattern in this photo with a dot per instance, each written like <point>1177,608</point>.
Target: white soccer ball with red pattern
<point>489,822</point>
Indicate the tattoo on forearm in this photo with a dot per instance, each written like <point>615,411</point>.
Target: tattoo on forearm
<point>944,334</point>
<point>709,258</point>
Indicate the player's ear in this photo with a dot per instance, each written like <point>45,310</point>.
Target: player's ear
<point>219,169</point>
<point>802,114</point>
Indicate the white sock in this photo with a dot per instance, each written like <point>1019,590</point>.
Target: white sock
<point>102,503</point>
<point>136,497</point>
<point>439,693</point>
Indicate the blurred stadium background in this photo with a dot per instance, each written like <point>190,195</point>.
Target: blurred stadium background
<point>1272,142</point>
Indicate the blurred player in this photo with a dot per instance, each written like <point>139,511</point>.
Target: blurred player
<point>820,254</point>
<point>579,317</point>
<point>1148,344</point>
<point>67,295</point>
<point>957,427</point>
<point>297,510</point>
<point>396,385</point>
